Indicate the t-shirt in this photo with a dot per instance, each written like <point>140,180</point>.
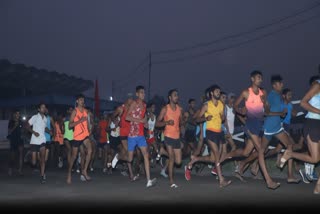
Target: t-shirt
<point>273,123</point>
<point>15,135</point>
<point>103,124</point>
<point>287,119</point>
<point>39,125</point>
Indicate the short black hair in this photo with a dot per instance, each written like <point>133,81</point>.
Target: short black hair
<point>40,104</point>
<point>255,73</point>
<point>223,93</point>
<point>171,92</point>
<point>214,87</point>
<point>286,91</point>
<point>150,104</point>
<point>139,87</point>
<point>191,100</point>
<point>276,78</point>
<point>79,96</point>
<point>207,93</point>
<point>314,78</point>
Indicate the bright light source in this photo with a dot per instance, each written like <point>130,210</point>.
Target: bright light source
<point>24,118</point>
<point>111,98</point>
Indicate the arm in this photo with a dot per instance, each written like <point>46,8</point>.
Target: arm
<point>72,123</point>
<point>267,111</point>
<point>12,126</point>
<point>132,119</point>
<point>28,127</point>
<point>182,119</point>
<point>117,112</point>
<point>203,119</point>
<point>53,127</point>
<point>160,120</point>
<point>200,116</point>
<point>243,96</point>
<point>305,100</point>
<point>294,112</point>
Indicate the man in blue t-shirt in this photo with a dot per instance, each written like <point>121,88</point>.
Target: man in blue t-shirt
<point>273,123</point>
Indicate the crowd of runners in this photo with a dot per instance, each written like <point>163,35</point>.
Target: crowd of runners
<point>132,136</point>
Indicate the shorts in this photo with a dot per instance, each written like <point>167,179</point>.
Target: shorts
<point>123,137</point>
<point>77,143</point>
<point>36,148</point>
<point>139,141</point>
<point>215,137</point>
<point>175,143</point>
<point>311,128</point>
<point>48,144</point>
<point>91,138</point>
<point>270,135</point>
<point>102,145</point>
<point>190,136</point>
<point>286,127</point>
<point>151,140</point>
<point>67,140</point>
<point>114,142</point>
<point>15,144</point>
<point>254,126</point>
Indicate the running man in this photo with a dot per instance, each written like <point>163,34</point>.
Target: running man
<point>311,103</point>
<point>121,112</point>
<point>171,117</point>
<point>38,139</point>
<point>272,123</point>
<point>254,98</point>
<point>15,127</point>
<point>136,116</point>
<point>213,112</point>
<point>79,122</point>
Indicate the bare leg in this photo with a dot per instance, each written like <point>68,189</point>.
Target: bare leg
<point>84,171</point>
<point>20,150</point>
<point>42,160</point>
<point>260,147</point>
<point>215,150</point>
<point>130,158</point>
<point>74,155</point>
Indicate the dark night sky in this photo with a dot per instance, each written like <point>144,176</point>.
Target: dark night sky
<point>107,39</point>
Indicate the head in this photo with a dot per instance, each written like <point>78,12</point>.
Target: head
<point>215,92</point>
<point>223,97</point>
<point>42,108</point>
<point>231,98</point>
<point>151,107</point>
<point>256,78</point>
<point>69,110</point>
<point>16,115</point>
<point>173,96</point>
<point>105,115</point>
<point>287,94</point>
<point>80,100</point>
<point>313,79</point>
<point>207,95</point>
<point>140,92</point>
<point>276,83</point>
<point>192,103</point>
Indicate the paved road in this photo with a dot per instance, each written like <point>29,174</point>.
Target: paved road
<point>113,189</point>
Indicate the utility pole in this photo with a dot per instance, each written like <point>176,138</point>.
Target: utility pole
<point>149,76</point>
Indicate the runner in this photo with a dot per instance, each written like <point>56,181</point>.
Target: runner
<point>38,139</point>
<point>311,103</point>
<point>136,116</point>
<point>254,98</point>
<point>15,127</point>
<point>121,112</point>
<point>213,112</point>
<point>171,117</point>
<point>79,122</point>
